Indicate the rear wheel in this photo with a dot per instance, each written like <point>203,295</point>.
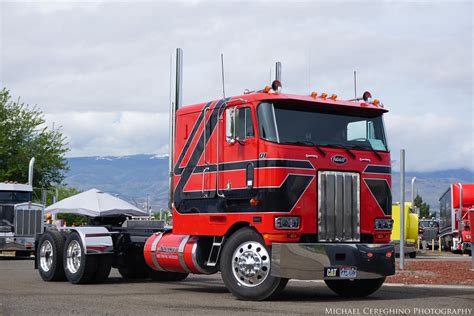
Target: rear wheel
<point>245,267</point>
<point>161,276</point>
<point>134,267</point>
<point>78,267</point>
<point>104,265</point>
<point>49,256</point>
<point>355,288</point>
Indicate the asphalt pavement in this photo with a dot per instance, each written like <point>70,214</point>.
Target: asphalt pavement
<point>22,292</point>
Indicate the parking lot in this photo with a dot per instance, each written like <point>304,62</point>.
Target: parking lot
<point>22,292</point>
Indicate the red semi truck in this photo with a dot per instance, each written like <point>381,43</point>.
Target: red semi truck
<point>265,187</point>
<point>454,221</point>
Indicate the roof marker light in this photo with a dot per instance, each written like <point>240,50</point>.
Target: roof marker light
<point>267,89</point>
<point>276,86</point>
<point>376,102</point>
<point>333,97</point>
<point>367,96</point>
<point>324,95</point>
<point>314,94</point>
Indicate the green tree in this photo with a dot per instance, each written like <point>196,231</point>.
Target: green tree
<point>423,206</point>
<point>23,135</point>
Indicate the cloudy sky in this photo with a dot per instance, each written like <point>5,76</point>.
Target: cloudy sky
<point>101,69</point>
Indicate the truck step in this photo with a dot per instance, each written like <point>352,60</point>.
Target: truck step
<point>215,251</point>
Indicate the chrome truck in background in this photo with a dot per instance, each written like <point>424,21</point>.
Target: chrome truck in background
<point>20,219</point>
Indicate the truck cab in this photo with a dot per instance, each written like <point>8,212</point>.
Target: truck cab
<point>20,220</point>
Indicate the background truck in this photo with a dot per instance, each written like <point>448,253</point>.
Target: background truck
<point>264,187</point>
<point>454,226</point>
<point>20,220</point>
<point>410,231</point>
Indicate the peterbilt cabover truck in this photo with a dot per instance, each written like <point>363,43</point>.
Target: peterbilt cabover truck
<point>20,220</point>
<point>265,187</point>
<point>454,221</point>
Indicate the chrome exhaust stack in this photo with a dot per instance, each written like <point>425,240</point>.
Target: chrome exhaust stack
<point>30,171</point>
<point>175,105</point>
<point>278,71</point>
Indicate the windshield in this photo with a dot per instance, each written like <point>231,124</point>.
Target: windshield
<point>13,197</point>
<point>294,124</point>
<point>425,224</point>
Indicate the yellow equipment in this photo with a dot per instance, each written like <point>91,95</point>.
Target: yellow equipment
<point>411,227</point>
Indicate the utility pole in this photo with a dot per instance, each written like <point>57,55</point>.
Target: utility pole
<point>402,209</point>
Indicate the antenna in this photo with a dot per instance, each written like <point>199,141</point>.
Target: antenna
<point>355,84</point>
<point>223,79</point>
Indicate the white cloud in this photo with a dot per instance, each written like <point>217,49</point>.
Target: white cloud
<point>93,61</point>
<point>113,133</point>
<point>431,141</point>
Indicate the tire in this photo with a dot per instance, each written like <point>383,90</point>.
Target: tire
<point>412,255</point>
<point>355,288</point>
<point>135,267</point>
<point>104,265</point>
<point>160,276</point>
<point>79,268</point>
<point>49,256</point>
<point>245,283</point>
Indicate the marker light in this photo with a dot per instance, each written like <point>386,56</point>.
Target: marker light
<point>376,102</point>
<point>276,86</point>
<point>314,94</point>
<point>333,97</point>
<point>370,255</point>
<point>388,254</point>
<point>267,89</point>
<point>367,96</point>
<point>324,95</point>
<point>254,202</point>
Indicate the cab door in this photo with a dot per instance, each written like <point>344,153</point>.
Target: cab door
<point>238,152</point>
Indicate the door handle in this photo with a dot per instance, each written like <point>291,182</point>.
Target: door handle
<point>203,178</point>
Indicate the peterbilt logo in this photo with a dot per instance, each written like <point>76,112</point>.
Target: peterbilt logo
<point>340,160</point>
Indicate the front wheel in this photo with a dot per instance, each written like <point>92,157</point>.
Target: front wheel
<point>355,288</point>
<point>245,267</point>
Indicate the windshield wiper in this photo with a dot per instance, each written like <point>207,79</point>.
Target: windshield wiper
<point>341,146</point>
<point>369,147</point>
<point>309,143</point>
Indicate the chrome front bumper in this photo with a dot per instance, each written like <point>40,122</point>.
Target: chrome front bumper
<point>307,261</point>
<point>18,244</point>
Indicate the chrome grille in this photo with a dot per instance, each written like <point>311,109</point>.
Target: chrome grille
<point>338,206</point>
<point>28,222</point>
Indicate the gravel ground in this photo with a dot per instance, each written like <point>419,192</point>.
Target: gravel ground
<point>435,272</point>
<point>22,292</point>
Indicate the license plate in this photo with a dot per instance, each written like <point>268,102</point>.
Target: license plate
<point>340,272</point>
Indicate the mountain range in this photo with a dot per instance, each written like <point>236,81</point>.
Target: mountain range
<point>134,177</point>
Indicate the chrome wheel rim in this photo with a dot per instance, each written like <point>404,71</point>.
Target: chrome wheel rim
<point>251,264</point>
<point>46,256</point>
<point>73,256</point>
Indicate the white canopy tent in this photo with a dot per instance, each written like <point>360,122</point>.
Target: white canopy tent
<point>94,203</point>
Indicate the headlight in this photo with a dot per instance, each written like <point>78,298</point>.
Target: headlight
<point>287,222</point>
<point>383,224</point>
